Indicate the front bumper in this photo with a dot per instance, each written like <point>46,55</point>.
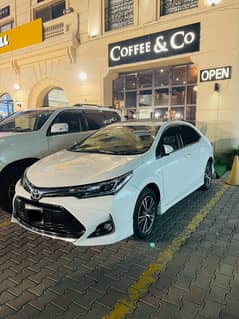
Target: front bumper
<point>82,216</point>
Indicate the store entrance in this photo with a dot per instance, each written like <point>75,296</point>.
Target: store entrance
<point>163,93</point>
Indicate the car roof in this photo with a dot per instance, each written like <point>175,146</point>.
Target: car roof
<point>152,123</point>
<point>73,107</point>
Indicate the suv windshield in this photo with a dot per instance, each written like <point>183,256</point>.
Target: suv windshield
<point>119,140</point>
<point>27,121</point>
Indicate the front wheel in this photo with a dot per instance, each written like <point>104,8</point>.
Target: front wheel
<point>207,176</point>
<point>145,213</point>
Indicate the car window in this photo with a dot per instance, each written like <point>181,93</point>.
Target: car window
<point>74,119</point>
<point>169,137</point>
<point>119,140</point>
<point>26,121</point>
<point>189,135</point>
<point>94,118</point>
<point>111,117</point>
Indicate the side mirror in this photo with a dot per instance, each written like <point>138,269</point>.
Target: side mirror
<point>167,149</point>
<point>59,128</point>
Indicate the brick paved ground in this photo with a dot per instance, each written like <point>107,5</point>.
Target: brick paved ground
<point>45,278</point>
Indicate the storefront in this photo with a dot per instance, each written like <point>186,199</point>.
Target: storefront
<point>161,92</point>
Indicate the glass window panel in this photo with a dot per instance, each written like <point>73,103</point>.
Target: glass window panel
<point>119,84</point>
<point>177,113</point>
<point>145,98</point>
<point>145,79</point>
<point>6,27</point>
<point>178,96</point>
<point>44,13</point>
<point>161,97</point>
<point>179,75</point>
<point>161,114</point>
<point>191,94</point>
<point>131,99</point>
<point>162,77</point>
<point>58,9</point>
<point>192,73</point>
<point>191,113</point>
<point>131,81</point>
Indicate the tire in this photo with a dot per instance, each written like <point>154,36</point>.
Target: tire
<point>207,177</point>
<point>145,213</point>
<point>8,183</point>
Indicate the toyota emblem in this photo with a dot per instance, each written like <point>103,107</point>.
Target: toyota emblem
<point>35,194</point>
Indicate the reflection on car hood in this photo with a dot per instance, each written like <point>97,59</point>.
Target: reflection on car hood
<point>67,168</point>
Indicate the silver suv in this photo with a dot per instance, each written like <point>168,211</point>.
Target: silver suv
<point>27,136</point>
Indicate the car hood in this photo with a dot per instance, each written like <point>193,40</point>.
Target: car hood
<point>66,168</point>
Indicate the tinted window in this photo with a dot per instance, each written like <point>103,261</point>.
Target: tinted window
<point>111,117</point>
<point>119,140</point>
<point>189,135</point>
<point>74,119</point>
<point>95,119</point>
<point>169,137</point>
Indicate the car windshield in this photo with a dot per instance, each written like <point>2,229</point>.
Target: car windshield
<point>119,140</point>
<point>27,121</point>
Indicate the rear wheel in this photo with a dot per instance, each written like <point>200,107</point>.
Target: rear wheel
<point>207,176</point>
<point>145,213</point>
<point>8,183</point>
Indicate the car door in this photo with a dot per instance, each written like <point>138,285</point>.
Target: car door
<point>194,162</point>
<point>78,130</point>
<point>170,167</point>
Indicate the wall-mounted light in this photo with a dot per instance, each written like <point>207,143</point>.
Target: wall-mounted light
<point>213,3</point>
<point>16,86</point>
<point>83,76</point>
<point>217,87</point>
<point>18,103</point>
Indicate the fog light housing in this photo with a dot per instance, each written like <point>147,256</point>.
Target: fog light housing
<point>104,228</point>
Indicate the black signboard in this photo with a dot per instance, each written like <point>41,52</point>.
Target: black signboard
<point>163,44</point>
<point>4,12</point>
<point>216,74</point>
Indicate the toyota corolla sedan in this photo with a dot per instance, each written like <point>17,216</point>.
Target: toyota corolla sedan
<point>114,183</point>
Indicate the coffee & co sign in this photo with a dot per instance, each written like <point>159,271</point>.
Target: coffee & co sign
<point>157,45</point>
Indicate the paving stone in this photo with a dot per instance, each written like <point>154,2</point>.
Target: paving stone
<point>19,289</point>
<point>111,297</point>
<point>232,306</point>
<point>5,311</point>
<point>18,302</point>
<point>51,312</point>
<point>64,301</point>
<point>39,289</point>
<point>45,299</point>
<point>143,311</point>
<point>221,280</point>
<point>211,309</point>
<point>25,313</point>
<point>225,269</point>
<point>217,294</point>
<point>74,312</point>
<point>174,296</point>
<point>88,298</point>
<point>195,295</point>
<point>188,310</point>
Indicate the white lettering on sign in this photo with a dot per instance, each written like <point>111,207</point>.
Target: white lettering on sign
<point>177,41</point>
<point>215,74</point>
<point>180,39</point>
<point>4,41</point>
<point>117,52</point>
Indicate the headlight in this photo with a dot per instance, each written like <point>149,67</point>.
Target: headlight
<point>109,187</point>
<point>104,188</point>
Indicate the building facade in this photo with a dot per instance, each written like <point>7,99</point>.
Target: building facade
<point>162,59</point>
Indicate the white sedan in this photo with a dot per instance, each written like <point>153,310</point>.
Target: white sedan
<point>114,183</point>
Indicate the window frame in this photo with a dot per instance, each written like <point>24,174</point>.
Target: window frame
<point>179,141</point>
<point>49,6</point>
